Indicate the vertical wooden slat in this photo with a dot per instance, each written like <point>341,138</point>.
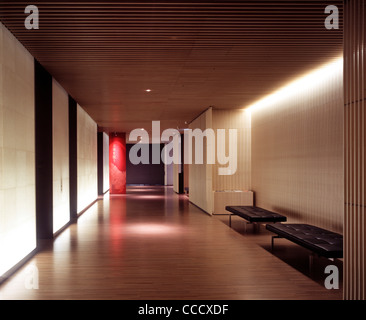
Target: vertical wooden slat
<point>354,122</point>
<point>363,9</point>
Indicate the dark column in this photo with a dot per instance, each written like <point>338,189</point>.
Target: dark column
<point>44,154</point>
<point>181,171</point>
<point>73,158</point>
<point>100,163</point>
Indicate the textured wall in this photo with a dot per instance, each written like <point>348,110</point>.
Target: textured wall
<point>17,152</point>
<point>87,160</point>
<point>60,114</point>
<point>297,151</point>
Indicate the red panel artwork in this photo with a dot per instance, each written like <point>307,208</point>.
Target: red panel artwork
<point>117,163</point>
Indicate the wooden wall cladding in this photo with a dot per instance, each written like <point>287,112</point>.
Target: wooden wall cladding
<point>355,143</point>
<point>297,154</point>
<point>206,185</point>
<point>200,175</point>
<point>239,120</point>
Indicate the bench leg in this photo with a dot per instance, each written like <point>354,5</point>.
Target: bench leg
<point>257,226</point>
<point>272,242</point>
<point>230,220</point>
<point>311,262</point>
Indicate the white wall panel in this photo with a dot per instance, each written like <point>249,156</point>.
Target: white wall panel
<point>17,152</point>
<point>87,160</point>
<point>61,197</point>
<point>200,175</point>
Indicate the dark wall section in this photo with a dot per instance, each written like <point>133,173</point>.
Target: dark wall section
<point>181,173</point>
<point>73,173</point>
<point>100,163</point>
<point>44,155</point>
<point>149,174</point>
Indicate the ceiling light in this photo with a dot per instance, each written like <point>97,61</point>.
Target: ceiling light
<point>148,90</point>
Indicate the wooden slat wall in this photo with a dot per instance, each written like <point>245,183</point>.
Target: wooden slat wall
<point>297,154</point>
<point>204,179</point>
<point>200,175</point>
<point>355,89</point>
<point>239,120</point>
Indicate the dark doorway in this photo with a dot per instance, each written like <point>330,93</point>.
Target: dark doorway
<point>144,174</point>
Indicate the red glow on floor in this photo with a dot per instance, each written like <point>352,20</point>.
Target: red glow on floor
<point>155,229</point>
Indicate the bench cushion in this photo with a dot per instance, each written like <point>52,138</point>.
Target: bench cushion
<point>323,242</point>
<point>255,214</point>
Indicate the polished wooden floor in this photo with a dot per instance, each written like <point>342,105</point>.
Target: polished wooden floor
<point>153,244</point>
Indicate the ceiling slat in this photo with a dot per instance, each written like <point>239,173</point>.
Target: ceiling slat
<point>191,54</point>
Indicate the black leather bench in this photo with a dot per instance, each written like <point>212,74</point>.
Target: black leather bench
<point>255,214</point>
<point>320,241</point>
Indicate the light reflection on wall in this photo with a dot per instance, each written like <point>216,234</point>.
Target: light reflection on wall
<point>297,148</point>
<point>313,79</point>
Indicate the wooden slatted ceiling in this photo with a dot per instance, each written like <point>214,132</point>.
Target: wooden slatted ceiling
<point>191,54</point>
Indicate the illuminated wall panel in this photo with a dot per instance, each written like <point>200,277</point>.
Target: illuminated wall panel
<point>87,160</point>
<point>297,149</point>
<point>117,163</point>
<point>60,114</point>
<point>17,152</point>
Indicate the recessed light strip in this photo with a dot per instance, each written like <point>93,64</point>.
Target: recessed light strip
<point>308,81</point>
